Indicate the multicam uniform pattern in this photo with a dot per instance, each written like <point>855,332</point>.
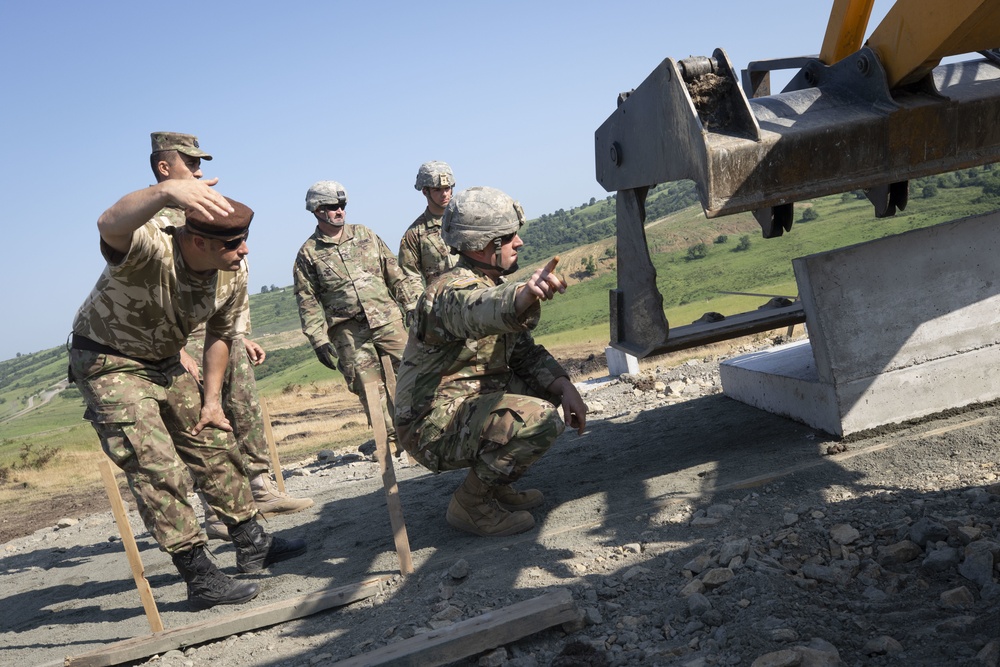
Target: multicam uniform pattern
<point>143,403</point>
<point>349,293</point>
<point>422,252</point>
<point>471,390</point>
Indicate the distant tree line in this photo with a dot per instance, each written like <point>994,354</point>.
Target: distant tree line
<point>593,221</point>
<point>22,365</point>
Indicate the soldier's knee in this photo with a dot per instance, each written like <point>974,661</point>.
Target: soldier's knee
<point>544,426</point>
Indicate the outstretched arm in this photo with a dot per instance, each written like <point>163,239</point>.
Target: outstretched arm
<point>133,210</point>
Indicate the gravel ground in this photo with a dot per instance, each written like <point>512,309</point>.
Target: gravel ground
<point>690,529</point>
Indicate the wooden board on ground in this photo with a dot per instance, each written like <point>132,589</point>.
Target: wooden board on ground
<point>138,648</point>
<point>474,635</point>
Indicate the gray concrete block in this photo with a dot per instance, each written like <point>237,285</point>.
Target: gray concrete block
<point>899,328</point>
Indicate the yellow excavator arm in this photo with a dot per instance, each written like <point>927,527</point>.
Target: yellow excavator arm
<point>862,115</point>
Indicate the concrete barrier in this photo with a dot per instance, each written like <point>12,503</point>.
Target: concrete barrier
<point>899,328</point>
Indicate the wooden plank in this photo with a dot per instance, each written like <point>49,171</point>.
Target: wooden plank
<point>475,635</point>
<point>138,648</point>
<point>384,458</point>
<point>131,550</point>
<point>272,446</point>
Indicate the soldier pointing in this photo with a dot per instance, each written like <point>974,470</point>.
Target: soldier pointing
<point>474,390</point>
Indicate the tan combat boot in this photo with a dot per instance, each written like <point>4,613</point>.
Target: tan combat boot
<point>474,510</point>
<point>214,528</point>
<point>270,501</point>
<point>512,500</point>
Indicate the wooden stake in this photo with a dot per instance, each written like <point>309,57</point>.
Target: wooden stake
<point>131,550</point>
<point>384,457</point>
<point>272,446</point>
<point>390,388</point>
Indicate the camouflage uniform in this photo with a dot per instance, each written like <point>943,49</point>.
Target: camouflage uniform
<point>349,293</point>
<point>422,252</point>
<point>142,331</point>
<point>471,390</point>
<point>240,400</point>
<point>241,404</point>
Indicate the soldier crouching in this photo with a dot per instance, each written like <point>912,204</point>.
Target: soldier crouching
<point>474,389</point>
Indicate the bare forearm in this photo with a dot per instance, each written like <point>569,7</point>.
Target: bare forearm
<point>129,214</point>
<point>133,210</point>
<point>214,368</point>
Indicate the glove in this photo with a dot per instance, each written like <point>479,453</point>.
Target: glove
<point>327,356</point>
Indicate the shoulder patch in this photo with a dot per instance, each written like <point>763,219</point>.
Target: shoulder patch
<point>463,282</point>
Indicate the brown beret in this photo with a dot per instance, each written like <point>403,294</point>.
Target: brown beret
<point>223,227</point>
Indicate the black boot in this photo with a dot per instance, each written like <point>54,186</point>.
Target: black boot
<point>256,550</point>
<point>206,585</point>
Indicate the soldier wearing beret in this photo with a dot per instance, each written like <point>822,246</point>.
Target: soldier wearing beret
<point>350,290</point>
<point>177,156</point>
<point>160,281</point>
<point>474,390</point>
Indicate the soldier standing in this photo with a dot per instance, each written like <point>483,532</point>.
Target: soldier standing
<point>178,156</point>
<point>160,281</point>
<point>350,290</point>
<point>421,251</point>
<point>474,389</point>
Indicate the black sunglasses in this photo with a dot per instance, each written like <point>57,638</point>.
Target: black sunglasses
<point>233,244</point>
<point>507,238</point>
<point>334,207</point>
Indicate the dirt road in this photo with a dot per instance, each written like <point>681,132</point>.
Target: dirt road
<point>691,530</point>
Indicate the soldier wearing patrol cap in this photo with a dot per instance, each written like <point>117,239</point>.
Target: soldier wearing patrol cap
<point>350,290</point>
<point>162,280</point>
<point>175,155</point>
<point>178,156</point>
<point>421,251</point>
<point>474,389</point>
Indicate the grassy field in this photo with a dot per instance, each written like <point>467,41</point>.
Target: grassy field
<point>578,319</point>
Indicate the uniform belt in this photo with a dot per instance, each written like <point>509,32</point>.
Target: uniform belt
<point>80,342</point>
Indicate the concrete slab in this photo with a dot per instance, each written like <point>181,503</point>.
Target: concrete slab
<point>783,381</point>
<point>900,328</point>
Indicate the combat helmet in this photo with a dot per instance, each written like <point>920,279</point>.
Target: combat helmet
<point>434,174</point>
<point>479,216</point>
<point>325,192</point>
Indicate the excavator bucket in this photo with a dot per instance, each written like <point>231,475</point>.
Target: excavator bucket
<point>872,120</point>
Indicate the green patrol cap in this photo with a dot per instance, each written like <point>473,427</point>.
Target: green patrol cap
<point>175,141</point>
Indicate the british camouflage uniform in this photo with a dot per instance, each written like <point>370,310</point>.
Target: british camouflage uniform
<point>241,403</point>
<point>471,390</point>
<point>349,292</point>
<point>240,400</point>
<point>125,358</point>
<point>422,253</point>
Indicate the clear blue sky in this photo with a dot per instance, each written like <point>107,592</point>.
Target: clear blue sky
<point>285,94</point>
